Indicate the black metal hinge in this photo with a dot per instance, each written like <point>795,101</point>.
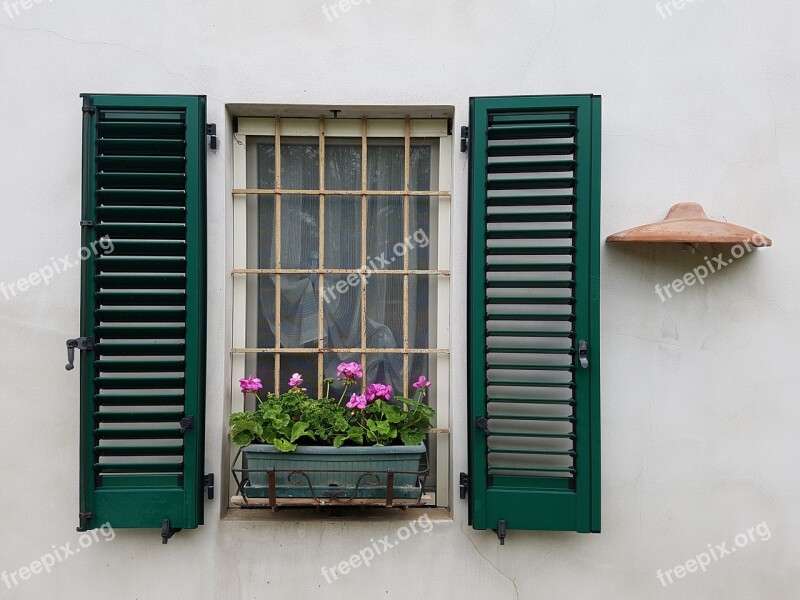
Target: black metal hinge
<point>167,532</point>
<point>208,484</point>
<point>464,138</point>
<point>83,521</point>
<point>89,109</point>
<point>87,223</point>
<point>463,485</point>
<point>211,132</point>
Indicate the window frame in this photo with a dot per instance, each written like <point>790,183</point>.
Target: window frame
<point>365,128</point>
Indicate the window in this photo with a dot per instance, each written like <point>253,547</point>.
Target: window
<point>341,253</point>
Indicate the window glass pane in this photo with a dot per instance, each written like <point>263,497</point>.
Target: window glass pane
<point>299,231</point>
<point>418,246</point>
<point>384,231</point>
<point>265,156</point>
<point>421,320</point>
<point>386,368</point>
<point>300,165</point>
<point>260,301</point>
<point>385,311</point>
<point>260,231</point>
<point>342,308</point>
<point>343,213</point>
<point>420,166</point>
<point>385,165</point>
<point>299,310</point>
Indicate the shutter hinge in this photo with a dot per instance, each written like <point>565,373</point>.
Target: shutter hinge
<point>482,423</point>
<point>81,343</point>
<point>87,223</point>
<point>89,109</point>
<point>464,138</point>
<point>208,484</point>
<point>501,532</point>
<point>186,424</point>
<point>211,131</point>
<point>463,485</point>
<point>83,521</point>
<point>167,532</point>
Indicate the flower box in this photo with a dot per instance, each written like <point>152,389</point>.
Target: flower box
<point>344,473</point>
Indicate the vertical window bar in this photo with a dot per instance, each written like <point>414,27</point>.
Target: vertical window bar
<point>321,259</point>
<point>277,253</point>
<point>406,219</point>
<point>363,250</point>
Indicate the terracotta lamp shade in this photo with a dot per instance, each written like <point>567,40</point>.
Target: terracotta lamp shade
<point>687,222</point>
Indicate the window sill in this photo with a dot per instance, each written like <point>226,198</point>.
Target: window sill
<point>329,514</point>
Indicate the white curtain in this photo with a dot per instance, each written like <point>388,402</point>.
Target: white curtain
<point>300,250</point>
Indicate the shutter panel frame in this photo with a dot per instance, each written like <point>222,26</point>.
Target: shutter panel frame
<point>520,123</point>
<point>139,157</point>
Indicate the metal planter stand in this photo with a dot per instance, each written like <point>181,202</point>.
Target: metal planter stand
<point>334,497</point>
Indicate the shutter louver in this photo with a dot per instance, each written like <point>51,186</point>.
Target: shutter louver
<point>143,304</point>
<point>534,242</point>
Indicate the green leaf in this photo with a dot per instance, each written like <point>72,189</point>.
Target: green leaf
<point>412,437</point>
<point>298,429</point>
<point>339,440</point>
<point>356,434</point>
<point>284,445</point>
<point>394,414</point>
<point>242,438</point>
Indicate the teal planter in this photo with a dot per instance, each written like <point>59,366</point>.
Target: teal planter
<point>327,472</point>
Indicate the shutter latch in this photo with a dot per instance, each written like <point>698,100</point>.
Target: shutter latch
<point>583,354</point>
<point>482,423</point>
<point>464,138</point>
<point>81,343</point>
<point>186,424</point>
<point>463,485</point>
<point>501,532</point>
<point>211,132</point>
<point>208,484</point>
<point>167,532</point>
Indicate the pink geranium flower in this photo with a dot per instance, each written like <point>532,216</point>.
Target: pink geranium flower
<point>351,371</point>
<point>421,383</point>
<point>379,391</point>
<point>296,380</point>
<point>357,401</point>
<point>251,384</point>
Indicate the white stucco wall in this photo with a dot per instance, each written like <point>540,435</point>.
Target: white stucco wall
<point>699,411</point>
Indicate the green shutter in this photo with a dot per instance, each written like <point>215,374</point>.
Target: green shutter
<point>143,305</point>
<point>534,420</point>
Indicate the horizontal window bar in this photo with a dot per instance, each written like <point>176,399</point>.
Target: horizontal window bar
<point>239,191</point>
<point>341,350</point>
<point>526,451</point>
<point>360,271</point>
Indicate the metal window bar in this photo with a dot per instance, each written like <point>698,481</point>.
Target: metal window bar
<point>278,226</point>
